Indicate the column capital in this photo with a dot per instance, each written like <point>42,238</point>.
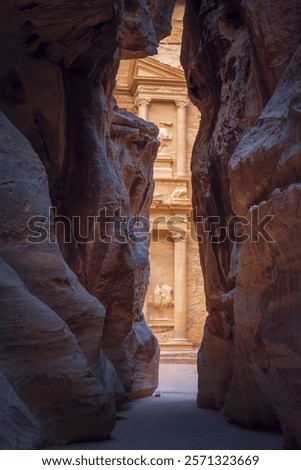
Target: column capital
<point>182,102</point>
<point>142,101</point>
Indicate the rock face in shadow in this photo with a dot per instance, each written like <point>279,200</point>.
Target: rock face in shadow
<point>242,61</point>
<point>74,276</point>
<point>51,328</point>
<point>21,428</point>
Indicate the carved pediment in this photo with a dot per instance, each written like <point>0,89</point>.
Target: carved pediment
<point>148,71</point>
<point>150,67</point>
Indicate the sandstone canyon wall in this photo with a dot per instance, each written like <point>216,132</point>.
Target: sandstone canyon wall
<point>243,67</point>
<point>73,339</point>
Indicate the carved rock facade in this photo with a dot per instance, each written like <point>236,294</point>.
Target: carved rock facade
<point>242,63</point>
<point>71,305</point>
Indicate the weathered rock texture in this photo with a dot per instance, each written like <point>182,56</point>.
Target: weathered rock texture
<point>243,68</point>
<point>69,306</point>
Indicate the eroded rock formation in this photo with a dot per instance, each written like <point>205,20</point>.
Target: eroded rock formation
<point>68,307</point>
<point>243,68</point>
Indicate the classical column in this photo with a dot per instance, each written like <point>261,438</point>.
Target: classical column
<point>181,162</point>
<point>143,104</point>
<point>144,309</point>
<point>180,300</point>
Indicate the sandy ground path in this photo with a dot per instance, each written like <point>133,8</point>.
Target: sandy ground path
<point>171,420</point>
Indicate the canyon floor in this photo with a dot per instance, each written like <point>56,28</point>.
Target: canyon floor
<point>170,419</point>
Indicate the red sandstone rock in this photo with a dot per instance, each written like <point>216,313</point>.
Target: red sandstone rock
<point>50,332</point>
<point>58,65</point>
<point>63,87</point>
<point>144,26</point>
<point>42,361</point>
<point>242,62</point>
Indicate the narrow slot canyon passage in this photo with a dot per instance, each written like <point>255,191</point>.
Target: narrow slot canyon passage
<point>123,324</point>
<point>171,420</point>
<point>155,89</point>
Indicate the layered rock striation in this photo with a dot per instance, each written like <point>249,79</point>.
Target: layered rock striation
<point>76,175</point>
<point>243,67</point>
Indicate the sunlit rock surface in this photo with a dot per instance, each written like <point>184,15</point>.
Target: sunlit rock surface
<point>242,63</point>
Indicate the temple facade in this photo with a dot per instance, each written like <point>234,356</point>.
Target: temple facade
<point>155,89</point>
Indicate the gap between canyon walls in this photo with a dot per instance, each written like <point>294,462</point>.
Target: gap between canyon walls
<point>155,89</point>
<point>72,334</point>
